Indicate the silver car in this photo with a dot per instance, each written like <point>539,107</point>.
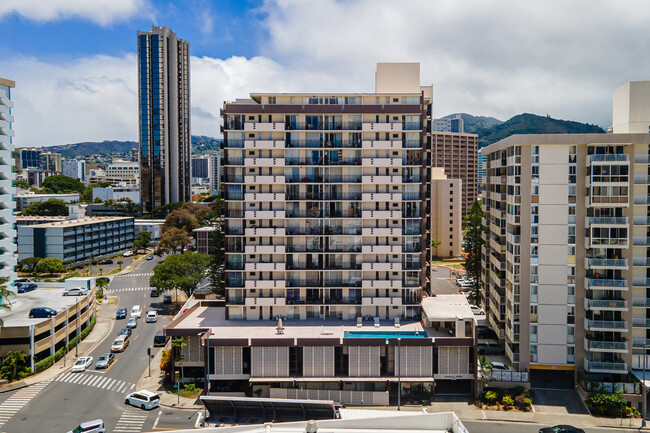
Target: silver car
<point>132,323</point>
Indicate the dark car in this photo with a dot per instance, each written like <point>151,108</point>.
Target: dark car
<point>155,293</point>
<point>486,332</point>
<point>105,361</point>
<point>125,331</point>
<point>167,299</point>
<point>26,287</point>
<point>19,281</point>
<point>41,312</point>
<point>561,429</point>
<point>108,280</point>
<point>160,339</point>
<point>105,262</point>
<point>490,348</point>
<point>121,313</point>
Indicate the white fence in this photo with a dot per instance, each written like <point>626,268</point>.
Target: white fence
<point>348,397</point>
<point>509,376</point>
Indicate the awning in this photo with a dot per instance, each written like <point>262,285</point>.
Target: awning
<point>339,379</point>
<point>639,375</point>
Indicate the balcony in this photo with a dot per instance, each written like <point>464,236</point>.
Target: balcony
<point>641,180</point>
<point>605,325</point>
<point>264,267</point>
<point>264,144</point>
<point>381,162</point>
<point>605,304</point>
<point>382,144</point>
<point>265,249</point>
<point>381,127</point>
<point>381,249</point>
<point>607,158</point>
<point>641,262</point>
<point>264,231</point>
<point>606,221</point>
<point>380,302</point>
<point>641,282</point>
<point>606,346</point>
<point>605,284</point>
<point>381,284</point>
<point>381,214</point>
<point>381,267</point>
<point>265,214</point>
<point>382,197</point>
<point>264,162</point>
<point>381,231</point>
<point>264,180</point>
<point>591,263</point>
<point>265,284</point>
<point>264,126</point>
<point>641,322</point>
<point>265,196</point>
<point>642,159</point>
<point>641,221</point>
<point>381,180</point>
<point>640,342</point>
<point>265,302</point>
<point>640,241</point>
<point>605,366</point>
<point>642,201</point>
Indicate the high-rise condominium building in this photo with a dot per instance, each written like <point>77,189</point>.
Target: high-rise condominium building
<point>458,155</point>
<point>75,168</point>
<point>164,109</point>
<point>328,202</point>
<point>30,157</point>
<point>208,167</point>
<point>481,167</point>
<point>7,190</point>
<point>566,265</point>
<point>51,162</point>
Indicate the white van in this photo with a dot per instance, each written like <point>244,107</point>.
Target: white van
<point>143,399</point>
<point>136,311</point>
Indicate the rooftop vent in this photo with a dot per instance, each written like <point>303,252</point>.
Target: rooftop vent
<point>311,427</point>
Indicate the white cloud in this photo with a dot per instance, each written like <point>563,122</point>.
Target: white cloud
<point>102,12</point>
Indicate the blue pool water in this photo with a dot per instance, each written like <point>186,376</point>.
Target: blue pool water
<point>384,334</point>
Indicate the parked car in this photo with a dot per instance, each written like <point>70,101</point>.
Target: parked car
<point>19,281</point>
<point>26,287</point>
<point>486,332</point>
<point>152,316</point>
<point>490,348</point>
<point>499,366</point>
<point>96,426</point>
<point>160,339</point>
<point>105,361</point>
<point>125,331</point>
<point>82,364</point>
<point>155,293</point>
<point>149,257</point>
<point>121,313</point>
<point>167,299</point>
<point>476,309</point>
<point>120,343</point>
<point>75,291</point>
<point>136,311</point>
<point>105,262</point>
<point>108,280</point>
<point>132,323</point>
<point>561,429</point>
<point>143,399</point>
<point>41,312</point>
<point>128,254</point>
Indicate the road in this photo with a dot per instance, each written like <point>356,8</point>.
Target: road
<point>73,398</point>
<point>521,427</point>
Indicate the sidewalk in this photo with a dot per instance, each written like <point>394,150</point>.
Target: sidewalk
<point>103,326</point>
<point>155,383</point>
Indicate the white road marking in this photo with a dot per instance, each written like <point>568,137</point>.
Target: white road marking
<point>16,402</point>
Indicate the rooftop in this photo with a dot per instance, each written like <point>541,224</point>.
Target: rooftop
<point>81,222</point>
<point>41,297</point>
<point>33,194</point>
<point>446,307</point>
<point>40,218</point>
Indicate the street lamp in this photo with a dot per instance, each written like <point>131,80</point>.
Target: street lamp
<point>207,360</point>
<point>399,373</point>
<point>643,389</point>
<point>76,346</point>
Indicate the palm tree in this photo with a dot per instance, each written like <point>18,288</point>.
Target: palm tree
<point>5,297</point>
<point>178,343</point>
<point>13,363</point>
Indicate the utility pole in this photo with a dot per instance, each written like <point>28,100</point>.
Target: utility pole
<point>149,359</point>
<point>399,373</point>
<point>76,346</point>
<point>643,388</point>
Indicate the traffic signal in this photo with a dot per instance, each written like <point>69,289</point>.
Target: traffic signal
<point>149,351</point>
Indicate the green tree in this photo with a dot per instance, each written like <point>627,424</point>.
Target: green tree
<point>28,263</point>
<point>49,265</point>
<point>161,212</point>
<point>60,184</point>
<point>13,364</point>
<point>171,239</point>
<point>486,371</point>
<point>180,272</point>
<point>182,219</point>
<point>141,241</point>
<point>473,236</point>
<point>177,345</point>
<point>120,263</point>
<point>21,184</point>
<point>217,269</point>
<point>51,207</point>
<point>5,297</point>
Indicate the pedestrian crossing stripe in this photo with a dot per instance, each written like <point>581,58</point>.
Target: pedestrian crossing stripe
<point>97,381</point>
<point>131,289</point>
<point>144,274</point>
<point>130,422</point>
<point>16,402</point>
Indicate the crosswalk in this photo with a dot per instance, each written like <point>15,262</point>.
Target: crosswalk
<point>96,380</point>
<point>13,404</point>
<point>131,289</point>
<point>130,422</point>
<point>142,274</point>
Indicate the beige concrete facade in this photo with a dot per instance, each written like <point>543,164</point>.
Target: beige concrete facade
<point>631,111</point>
<point>446,218</point>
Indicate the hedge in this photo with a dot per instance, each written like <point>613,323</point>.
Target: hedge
<point>46,363</point>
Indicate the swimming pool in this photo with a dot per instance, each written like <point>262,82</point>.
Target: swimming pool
<point>384,334</point>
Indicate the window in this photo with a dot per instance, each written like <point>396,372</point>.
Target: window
<point>272,100</point>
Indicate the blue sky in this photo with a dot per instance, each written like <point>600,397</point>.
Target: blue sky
<point>74,60</point>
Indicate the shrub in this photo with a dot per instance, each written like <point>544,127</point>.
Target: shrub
<point>490,397</point>
<point>507,401</point>
<point>478,403</point>
<point>520,401</point>
<point>166,362</point>
<point>606,404</point>
<point>190,387</point>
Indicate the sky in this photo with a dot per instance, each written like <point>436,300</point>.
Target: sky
<point>74,60</point>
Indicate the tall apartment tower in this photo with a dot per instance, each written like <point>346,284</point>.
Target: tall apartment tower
<point>164,109</point>
<point>458,154</point>
<point>7,190</point>
<point>328,202</point>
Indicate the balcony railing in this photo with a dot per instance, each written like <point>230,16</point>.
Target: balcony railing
<point>607,220</point>
<point>605,324</point>
<point>641,221</point>
<point>641,180</point>
<point>606,282</point>
<point>643,262</point>
<point>641,282</point>
<point>605,366</point>
<point>605,304</point>
<point>606,263</point>
<point>605,345</point>
<point>609,158</point>
<point>641,322</point>
<point>640,342</point>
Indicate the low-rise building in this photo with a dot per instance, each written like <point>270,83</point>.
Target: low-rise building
<point>118,192</point>
<point>36,176</point>
<point>28,198</point>
<point>152,226</point>
<point>360,362</point>
<point>202,235</point>
<point>76,239</point>
<point>123,172</point>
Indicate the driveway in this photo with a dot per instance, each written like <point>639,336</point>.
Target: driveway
<point>557,402</point>
<point>441,282</point>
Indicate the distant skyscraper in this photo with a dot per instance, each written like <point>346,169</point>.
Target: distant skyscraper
<point>30,157</point>
<point>51,161</point>
<point>7,190</point>
<point>75,168</point>
<point>164,108</point>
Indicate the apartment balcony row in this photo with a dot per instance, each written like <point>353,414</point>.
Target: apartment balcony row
<point>641,322</point>
<point>335,143</point>
<point>497,213</point>
<point>642,262</point>
<point>641,282</point>
<point>261,302</point>
<point>390,144</point>
<point>607,158</point>
<point>381,302</point>
<point>381,231</point>
<point>322,282</point>
<point>386,197</point>
<point>382,162</point>
<point>641,180</point>
<point>265,267</point>
<point>642,159</point>
<point>640,342</point>
<point>607,242</point>
<point>605,304</point>
<point>598,263</point>
<point>606,284</point>
<point>324,126</point>
<point>265,214</point>
<point>383,180</point>
<point>381,249</point>
<point>265,196</point>
<point>605,346</point>
<point>264,126</point>
<point>606,325</point>
<point>265,249</point>
<point>641,221</point>
<point>606,221</point>
<point>265,180</point>
<point>265,231</point>
<point>607,367</point>
<point>643,201</point>
<point>641,242</point>
<point>264,162</point>
<point>382,214</point>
